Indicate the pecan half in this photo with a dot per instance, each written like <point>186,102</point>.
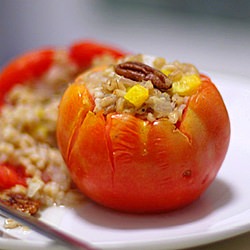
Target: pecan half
<point>21,203</point>
<point>139,72</point>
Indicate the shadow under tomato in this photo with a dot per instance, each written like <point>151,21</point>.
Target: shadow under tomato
<point>218,195</point>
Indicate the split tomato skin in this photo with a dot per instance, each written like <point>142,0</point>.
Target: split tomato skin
<point>132,165</point>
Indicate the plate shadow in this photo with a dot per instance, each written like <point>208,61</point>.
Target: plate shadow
<point>218,195</point>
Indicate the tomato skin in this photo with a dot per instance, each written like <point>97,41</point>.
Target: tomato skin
<point>11,176</point>
<point>75,116</point>
<point>132,165</point>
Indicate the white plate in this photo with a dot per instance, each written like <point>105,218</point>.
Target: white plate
<point>223,211</point>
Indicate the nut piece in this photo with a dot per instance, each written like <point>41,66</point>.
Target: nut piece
<point>21,203</point>
<point>139,72</point>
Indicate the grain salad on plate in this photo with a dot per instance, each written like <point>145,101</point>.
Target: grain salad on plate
<point>27,134</point>
<point>33,174</point>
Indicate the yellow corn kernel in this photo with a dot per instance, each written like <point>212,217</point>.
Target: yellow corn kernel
<point>187,85</point>
<point>166,72</point>
<point>137,95</point>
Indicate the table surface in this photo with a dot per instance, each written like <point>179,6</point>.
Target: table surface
<point>241,242</point>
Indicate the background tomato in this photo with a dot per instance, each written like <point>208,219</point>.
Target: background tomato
<point>83,52</point>
<point>25,68</point>
<point>132,165</point>
<point>32,65</point>
<point>10,176</point>
<point>29,67</point>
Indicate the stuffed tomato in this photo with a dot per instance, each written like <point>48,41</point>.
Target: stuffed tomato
<point>143,135</point>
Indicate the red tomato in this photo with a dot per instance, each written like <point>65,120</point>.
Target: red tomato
<point>83,52</point>
<point>10,176</point>
<point>133,165</point>
<point>25,68</point>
